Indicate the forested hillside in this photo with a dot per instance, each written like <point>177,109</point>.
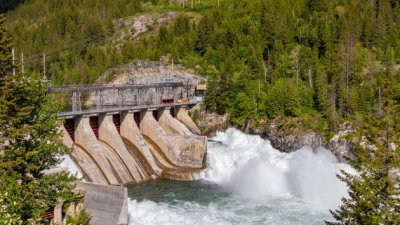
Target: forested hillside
<point>262,58</point>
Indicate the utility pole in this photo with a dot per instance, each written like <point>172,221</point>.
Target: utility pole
<point>44,66</point>
<point>13,70</point>
<point>44,71</point>
<point>387,206</point>
<point>22,64</point>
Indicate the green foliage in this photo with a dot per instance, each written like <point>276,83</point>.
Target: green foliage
<point>5,49</point>
<point>29,127</point>
<point>282,58</point>
<point>82,218</point>
<point>285,98</point>
<point>195,116</point>
<point>110,75</point>
<point>374,191</point>
<point>5,216</point>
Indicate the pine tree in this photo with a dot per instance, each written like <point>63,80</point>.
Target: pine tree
<point>373,192</point>
<point>28,145</point>
<point>5,49</point>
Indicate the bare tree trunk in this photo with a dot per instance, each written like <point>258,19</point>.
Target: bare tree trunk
<point>332,108</point>
<point>310,74</point>
<point>379,101</point>
<point>265,71</point>
<point>349,61</point>
<point>387,207</point>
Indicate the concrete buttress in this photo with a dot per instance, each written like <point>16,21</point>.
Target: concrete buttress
<point>168,123</point>
<point>150,128</point>
<point>83,160</point>
<point>108,133</point>
<point>184,118</point>
<point>131,132</point>
<point>85,137</point>
<point>181,150</point>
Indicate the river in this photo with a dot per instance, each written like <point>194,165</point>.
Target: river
<point>247,182</point>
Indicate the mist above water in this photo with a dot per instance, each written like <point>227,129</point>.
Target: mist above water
<point>265,186</point>
<point>70,164</point>
<point>251,167</point>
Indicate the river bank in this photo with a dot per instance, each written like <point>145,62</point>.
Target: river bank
<point>285,134</point>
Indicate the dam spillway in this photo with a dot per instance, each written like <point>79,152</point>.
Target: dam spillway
<point>124,147</point>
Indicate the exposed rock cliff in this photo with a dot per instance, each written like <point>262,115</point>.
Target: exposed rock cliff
<point>286,136</point>
<point>142,72</point>
<point>338,144</point>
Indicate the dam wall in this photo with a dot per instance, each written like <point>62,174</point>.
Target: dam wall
<point>85,137</point>
<point>126,147</point>
<point>83,160</point>
<point>168,123</point>
<point>151,129</point>
<point>106,204</point>
<point>131,132</point>
<point>108,133</point>
<point>192,148</point>
<point>183,116</point>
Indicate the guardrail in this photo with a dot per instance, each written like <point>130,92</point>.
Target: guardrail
<point>111,87</point>
<point>119,109</point>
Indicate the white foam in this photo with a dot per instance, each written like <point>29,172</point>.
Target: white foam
<point>183,127</point>
<point>251,167</point>
<point>151,213</point>
<point>72,168</point>
<point>267,186</point>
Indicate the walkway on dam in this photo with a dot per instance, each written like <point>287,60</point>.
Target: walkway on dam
<point>113,98</point>
<point>111,109</point>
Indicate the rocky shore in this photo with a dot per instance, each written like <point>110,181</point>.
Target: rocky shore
<point>281,137</point>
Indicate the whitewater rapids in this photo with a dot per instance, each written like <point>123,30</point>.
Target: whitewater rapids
<point>259,184</point>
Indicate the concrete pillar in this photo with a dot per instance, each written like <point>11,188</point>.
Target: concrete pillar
<point>71,211</point>
<point>131,132</point>
<point>123,215</point>
<point>183,116</point>
<point>85,137</point>
<point>192,149</point>
<point>152,130</point>
<point>143,113</point>
<point>58,214</point>
<point>109,134</point>
<point>181,150</point>
<point>85,163</point>
<point>168,123</point>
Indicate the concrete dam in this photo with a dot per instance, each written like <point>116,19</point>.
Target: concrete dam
<point>131,146</point>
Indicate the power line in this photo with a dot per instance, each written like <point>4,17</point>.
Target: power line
<point>37,56</point>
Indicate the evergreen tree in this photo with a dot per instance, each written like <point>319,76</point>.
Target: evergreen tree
<point>28,145</point>
<point>373,192</point>
<point>5,49</point>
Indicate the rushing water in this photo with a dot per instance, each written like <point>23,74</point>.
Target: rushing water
<point>248,182</point>
<point>182,126</point>
<point>72,168</point>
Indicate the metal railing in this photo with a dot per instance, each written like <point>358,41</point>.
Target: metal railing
<point>82,88</point>
<point>119,109</point>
